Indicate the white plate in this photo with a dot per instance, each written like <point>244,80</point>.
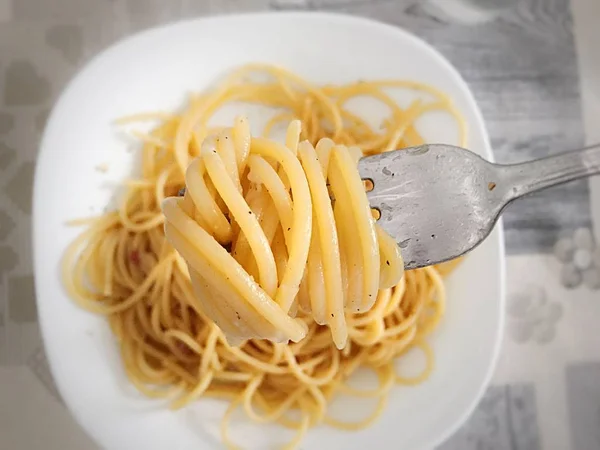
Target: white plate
<point>154,70</point>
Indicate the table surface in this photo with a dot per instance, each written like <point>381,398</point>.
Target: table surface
<point>535,71</point>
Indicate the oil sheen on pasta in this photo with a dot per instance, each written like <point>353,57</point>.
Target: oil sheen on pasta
<point>266,292</point>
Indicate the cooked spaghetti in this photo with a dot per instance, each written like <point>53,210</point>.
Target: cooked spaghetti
<point>258,255</point>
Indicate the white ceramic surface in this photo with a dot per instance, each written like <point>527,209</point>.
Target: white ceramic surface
<point>154,70</point>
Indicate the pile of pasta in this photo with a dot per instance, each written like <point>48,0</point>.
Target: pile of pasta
<point>274,283</point>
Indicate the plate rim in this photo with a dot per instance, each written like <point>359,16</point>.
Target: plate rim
<point>487,152</point>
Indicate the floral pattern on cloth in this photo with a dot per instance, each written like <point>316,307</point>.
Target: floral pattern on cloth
<point>580,256</point>
<point>531,317</point>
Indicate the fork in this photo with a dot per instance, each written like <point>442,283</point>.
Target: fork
<point>440,201</point>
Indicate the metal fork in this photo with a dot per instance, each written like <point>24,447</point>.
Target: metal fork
<point>441,201</point>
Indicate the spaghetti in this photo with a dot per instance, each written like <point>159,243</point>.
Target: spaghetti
<point>257,263</point>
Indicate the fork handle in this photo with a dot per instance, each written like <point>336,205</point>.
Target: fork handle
<point>532,176</point>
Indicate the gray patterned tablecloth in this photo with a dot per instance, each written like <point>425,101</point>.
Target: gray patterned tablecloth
<point>535,71</point>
